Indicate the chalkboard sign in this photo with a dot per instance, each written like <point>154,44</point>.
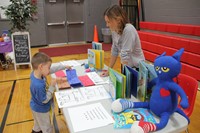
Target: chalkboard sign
<point>21,48</point>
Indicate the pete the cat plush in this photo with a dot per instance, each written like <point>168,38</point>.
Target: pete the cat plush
<point>164,98</point>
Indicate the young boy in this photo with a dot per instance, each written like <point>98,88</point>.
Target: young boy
<point>41,92</point>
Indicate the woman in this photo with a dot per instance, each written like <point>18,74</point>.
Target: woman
<point>125,39</point>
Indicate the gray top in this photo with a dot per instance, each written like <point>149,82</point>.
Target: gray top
<point>56,67</point>
<point>128,46</point>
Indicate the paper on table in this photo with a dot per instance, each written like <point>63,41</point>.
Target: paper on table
<point>69,98</point>
<point>71,63</point>
<point>90,116</point>
<point>95,77</point>
<point>94,93</point>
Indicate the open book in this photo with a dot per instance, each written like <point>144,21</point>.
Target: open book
<point>146,74</point>
<point>127,118</point>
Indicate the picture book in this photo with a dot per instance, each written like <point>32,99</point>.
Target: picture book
<point>151,75</point>
<point>142,81</point>
<point>72,78</point>
<point>96,45</point>
<point>127,118</point>
<point>113,86</point>
<point>119,81</point>
<point>131,81</point>
<point>146,74</point>
<point>91,58</point>
<point>96,58</point>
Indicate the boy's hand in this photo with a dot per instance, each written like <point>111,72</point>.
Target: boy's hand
<point>68,67</point>
<point>53,82</point>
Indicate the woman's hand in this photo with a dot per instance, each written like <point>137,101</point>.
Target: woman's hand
<point>104,73</point>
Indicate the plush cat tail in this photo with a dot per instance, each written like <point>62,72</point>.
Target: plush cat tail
<point>178,54</point>
<point>163,54</point>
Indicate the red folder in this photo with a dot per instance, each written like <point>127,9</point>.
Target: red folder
<point>60,73</point>
<point>85,80</point>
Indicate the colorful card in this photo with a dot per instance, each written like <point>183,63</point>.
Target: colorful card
<point>85,80</point>
<point>63,83</point>
<point>60,73</point>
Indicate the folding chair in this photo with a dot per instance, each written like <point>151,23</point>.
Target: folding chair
<point>190,86</point>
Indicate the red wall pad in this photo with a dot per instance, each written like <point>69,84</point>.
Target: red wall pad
<point>189,58</point>
<point>192,59</point>
<point>143,25</point>
<point>197,30</point>
<point>181,43</point>
<point>151,25</point>
<point>191,71</point>
<point>161,27</point>
<point>149,56</point>
<point>173,28</point>
<point>186,29</point>
<point>153,38</point>
<point>194,47</point>
<point>143,35</point>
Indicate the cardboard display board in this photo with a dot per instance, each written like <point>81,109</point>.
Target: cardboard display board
<point>21,48</point>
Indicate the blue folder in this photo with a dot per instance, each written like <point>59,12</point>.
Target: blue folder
<point>131,80</point>
<point>72,78</point>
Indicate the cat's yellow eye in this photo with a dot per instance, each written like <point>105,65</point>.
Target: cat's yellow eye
<point>165,69</point>
<point>157,68</point>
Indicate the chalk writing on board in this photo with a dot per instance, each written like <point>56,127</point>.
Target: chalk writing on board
<point>21,48</point>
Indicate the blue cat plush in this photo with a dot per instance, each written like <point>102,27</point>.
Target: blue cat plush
<point>164,98</point>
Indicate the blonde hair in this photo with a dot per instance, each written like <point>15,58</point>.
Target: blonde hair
<point>117,13</point>
<point>39,58</point>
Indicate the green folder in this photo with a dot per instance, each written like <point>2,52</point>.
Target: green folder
<point>119,81</point>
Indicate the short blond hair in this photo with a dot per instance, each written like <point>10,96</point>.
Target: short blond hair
<point>39,58</point>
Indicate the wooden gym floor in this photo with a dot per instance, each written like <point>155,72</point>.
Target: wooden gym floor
<point>15,114</point>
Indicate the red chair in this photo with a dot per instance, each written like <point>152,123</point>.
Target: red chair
<point>190,86</point>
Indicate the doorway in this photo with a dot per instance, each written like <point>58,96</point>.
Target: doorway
<point>64,21</point>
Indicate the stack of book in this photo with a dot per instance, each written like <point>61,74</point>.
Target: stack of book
<point>96,45</point>
<point>96,56</point>
<point>132,82</point>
